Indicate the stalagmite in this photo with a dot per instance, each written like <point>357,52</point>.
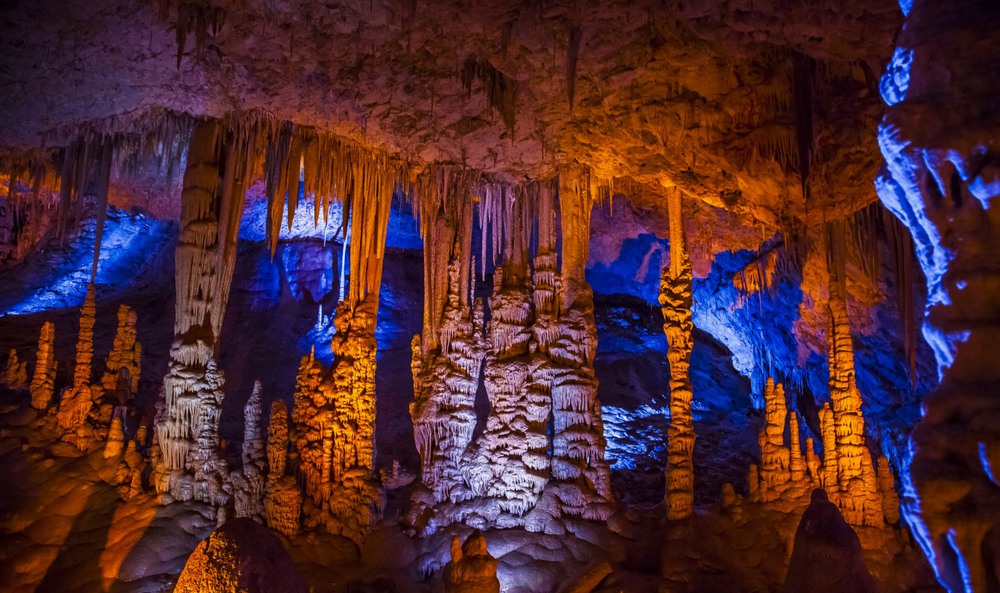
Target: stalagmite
<point>775,458</point>
<point>813,463</point>
<point>855,477</point>
<point>79,400</point>
<point>116,439</point>
<point>887,489</point>
<point>16,376</point>
<point>829,472</point>
<point>282,498</point>
<point>43,381</point>
<point>676,301</point>
<point>472,569</point>
<point>124,360</point>
<point>249,495</point>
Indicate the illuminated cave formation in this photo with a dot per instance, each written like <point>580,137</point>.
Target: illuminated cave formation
<point>523,297</point>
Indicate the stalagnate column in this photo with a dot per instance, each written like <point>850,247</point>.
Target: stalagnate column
<point>43,382</point>
<point>187,432</point>
<point>676,299</point>
<point>448,355</point>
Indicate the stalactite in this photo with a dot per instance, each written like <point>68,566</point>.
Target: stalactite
<point>572,58</point>
<point>676,302</point>
<point>43,381</point>
<point>499,88</point>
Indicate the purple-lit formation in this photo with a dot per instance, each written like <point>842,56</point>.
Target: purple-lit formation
<point>525,297</point>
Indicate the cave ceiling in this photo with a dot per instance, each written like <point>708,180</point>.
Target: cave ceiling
<point>709,96</point>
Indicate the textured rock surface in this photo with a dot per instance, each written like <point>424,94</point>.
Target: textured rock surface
<point>240,557</point>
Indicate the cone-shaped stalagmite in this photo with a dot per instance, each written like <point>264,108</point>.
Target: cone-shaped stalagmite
<point>16,376</point>
<point>123,364</point>
<point>676,300</point>
<point>78,401</point>
<point>282,498</point>
<point>472,569</point>
<point>43,382</point>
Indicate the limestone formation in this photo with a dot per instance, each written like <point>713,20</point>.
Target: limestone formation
<point>676,302</point>
<point>855,474</point>
<point>124,361</point>
<point>187,431</point>
<point>78,402</point>
<point>781,480</point>
<point>282,497</point>
<point>16,376</point>
<point>116,439</point>
<point>43,381</point>
<point>472,569</point>
<point>887,489</point>
<point>249,493</point>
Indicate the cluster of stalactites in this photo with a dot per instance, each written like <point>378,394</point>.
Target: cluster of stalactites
<point>676,300</point>
<point>785,476</point>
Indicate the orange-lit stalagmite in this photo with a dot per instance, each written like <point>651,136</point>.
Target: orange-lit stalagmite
<point>282,497</point>
<point>16,375</point>
<point>43,382</point>
<point>124,361</point>
<point>82,400</point>
<point>855,475</point>
<point>676,301</point>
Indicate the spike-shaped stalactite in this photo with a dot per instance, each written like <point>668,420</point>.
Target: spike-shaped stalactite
<point>676,300</point>
<point>43,382</point>
<point>123,365</point>
<point>187,431</point>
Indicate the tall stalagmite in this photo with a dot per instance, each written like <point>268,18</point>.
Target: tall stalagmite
<point>249,491</point>
<point>79,400</point>
<point>43,382</point>
<point>858,497</point>
<point>124,360</point>
<point>676,299</point>
<point>282,498</point>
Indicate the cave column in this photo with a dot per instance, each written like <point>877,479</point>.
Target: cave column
<point>676,299</point>
<point>211,202</point>
<point>580,472</point>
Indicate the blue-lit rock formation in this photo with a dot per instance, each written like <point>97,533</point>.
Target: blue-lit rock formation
<point>941,178</point>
